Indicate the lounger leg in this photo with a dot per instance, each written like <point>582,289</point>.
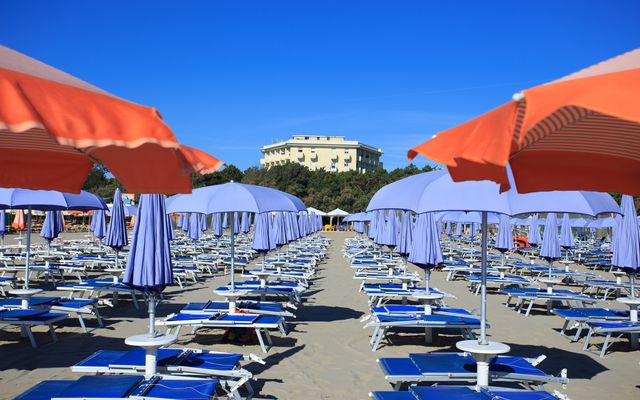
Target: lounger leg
<point>268,337</point>
<point>605,345</point>
<point>81,320</point>
<point>32,339</point>
<point>587,339</point>
<point>529,308</point>
<point>428,335</point>
<point>134,299</point>
<point>564,327</point>
<point>579,328</point>
<point>261,340</point>
<point>381,334</point>
<point>98,317</point>
<point>52,332</point>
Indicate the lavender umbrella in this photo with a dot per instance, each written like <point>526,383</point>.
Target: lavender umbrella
<point>203,222</point>
<point>117,231</point>
<point>185,222</point>
<point>459,229</point>
<point>504,239</point>
<point>534,231</point>
<point>425,248</point>
<point>216,224</point>
<point>3,227</point>
<point>171,233</point>
<point>195,229</point>
<point>45,200</point>
<point>225,221</point>
<point>279,230</point>
<point>100,226</point>
<point>405,238</point>
<point>627,251</point>
<point>388,231</point>
<point>245,225</point>
<point>550,249</point>
<point>149,267</point>
<point>373,226</point>
<point>180,219</point>
<point>447,229</point>
<point>51,228</point>
<point>566,235</point>
<point>262,241</point>
<point>236,223</point>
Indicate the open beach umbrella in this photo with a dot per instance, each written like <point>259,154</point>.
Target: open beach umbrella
<point>46,200</point>
<point>566,235</point>
<point>149,267</point>
<point>54,127</point>
<point>51,227</point>
<point>233,197</point>
<point>117,237</point>
<point>425,249</point>
<point>627,251</point>
<point>550,248</point>
<point>580,132</point>
<point>436,191</point>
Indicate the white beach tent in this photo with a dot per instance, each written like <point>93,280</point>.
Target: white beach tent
<point>312,210</point>
<point>336,213</point>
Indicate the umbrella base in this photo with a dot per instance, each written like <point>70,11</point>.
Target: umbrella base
<point>482,353</point>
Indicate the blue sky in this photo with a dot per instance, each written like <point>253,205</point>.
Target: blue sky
<point>232,76</point>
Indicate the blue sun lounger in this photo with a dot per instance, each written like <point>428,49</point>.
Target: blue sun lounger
<point>78,307</point>
<point>580,316</point>
<point>123,387</point>
<point>533,295</point>
<point>384,323</point>
<point>180,362</point>
<point>413,309</point>
<point>261,324</point>
<point>95,287</point>
<point>465,393</point>
<point>28,318</point>
<point>253,307</point>
<point>461,367</point>
<point>607,329</point>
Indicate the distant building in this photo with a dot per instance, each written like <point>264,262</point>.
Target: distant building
<point>331,153</point>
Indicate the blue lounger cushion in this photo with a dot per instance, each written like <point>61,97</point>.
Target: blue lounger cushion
<point>19,314</point>
<point>218,361</point>
<point>392,396</point>
<point>103,386</point>
<point>430,318</point>
<point>44,390</point>
<point>33,302</point>
<point>457,363</point>
<point>399,367</point>
<point>591,313</point>
<point>466,393</point>
<point>101,358</point>
<point>177,389</point>
<point>136,357</point>
<point>75,303</point>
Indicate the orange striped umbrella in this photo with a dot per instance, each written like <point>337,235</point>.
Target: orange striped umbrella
<point>581,132</point>
<point>18,221</point>
<point>53,127</point>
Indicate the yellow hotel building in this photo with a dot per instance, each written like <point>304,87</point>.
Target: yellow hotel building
<point>331,153</point>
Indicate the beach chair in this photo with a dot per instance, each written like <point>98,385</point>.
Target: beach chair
<point>96,287</point>
<point>608,329</point>
<point>253,307</point>
<point>466,393</point>
<point>260,324</point>
<point>384,323</point>
<point>124,387</point>
<point>578,317</point>
<point>461,367</point>
<point>77,307</point>
<point>175,362</point>
<point>26,319</point>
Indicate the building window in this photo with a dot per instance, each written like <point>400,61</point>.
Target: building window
<point>333,165</point>
<point>299,150</point>
<point>306,138</point>
<point>346,164</point>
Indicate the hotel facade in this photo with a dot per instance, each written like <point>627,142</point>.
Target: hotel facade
<point>331,153</point>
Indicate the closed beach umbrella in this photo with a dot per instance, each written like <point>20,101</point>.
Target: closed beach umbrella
<point>3,227</point>
<point>236,223</point>
<point>225,221</point>
<point>51,227</point>
<point>185,222</point>
<point>18,221</point>
<point>425,249</point>
<point>216,224</point>
<point>262,242</point>
<point>447,229</point>
<point>550,248</point>
<point>504,238</point>
<point>279,229</point>
<point>388,232</point>
<point>171,233</point>
<point>100,225</point>
<point>117,231</point>
<point>459,229</point>
<point>405,238</point>
<point>203,222</point>
<point>534,231</point>
<point>195,229</point>
<point>180,219</point>
<point>245,224</point>
<point>627,252</point>
<point>566,235</point>
<point>149,267</point>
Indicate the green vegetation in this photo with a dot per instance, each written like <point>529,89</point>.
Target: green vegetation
<point>350,191</point>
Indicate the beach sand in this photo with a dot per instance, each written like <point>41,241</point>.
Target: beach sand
<point>327,354</point>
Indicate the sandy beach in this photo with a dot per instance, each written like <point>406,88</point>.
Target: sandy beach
<point>327,354</point>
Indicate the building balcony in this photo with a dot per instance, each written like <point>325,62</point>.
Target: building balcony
<point>314,156</point>
<point>300,156</point>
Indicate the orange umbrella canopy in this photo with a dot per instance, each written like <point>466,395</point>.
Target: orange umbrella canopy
<point>581,132</point>
<point>53,127</point>
<point>18,221</point>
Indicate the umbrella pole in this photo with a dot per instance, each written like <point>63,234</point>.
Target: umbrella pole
<point>27,263</point>
<point>632,281</point>
<point>483,282</point>
<point>48,247</point>
<point>427,275</point>
<point>152,315</point>
<point>233,263</point>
